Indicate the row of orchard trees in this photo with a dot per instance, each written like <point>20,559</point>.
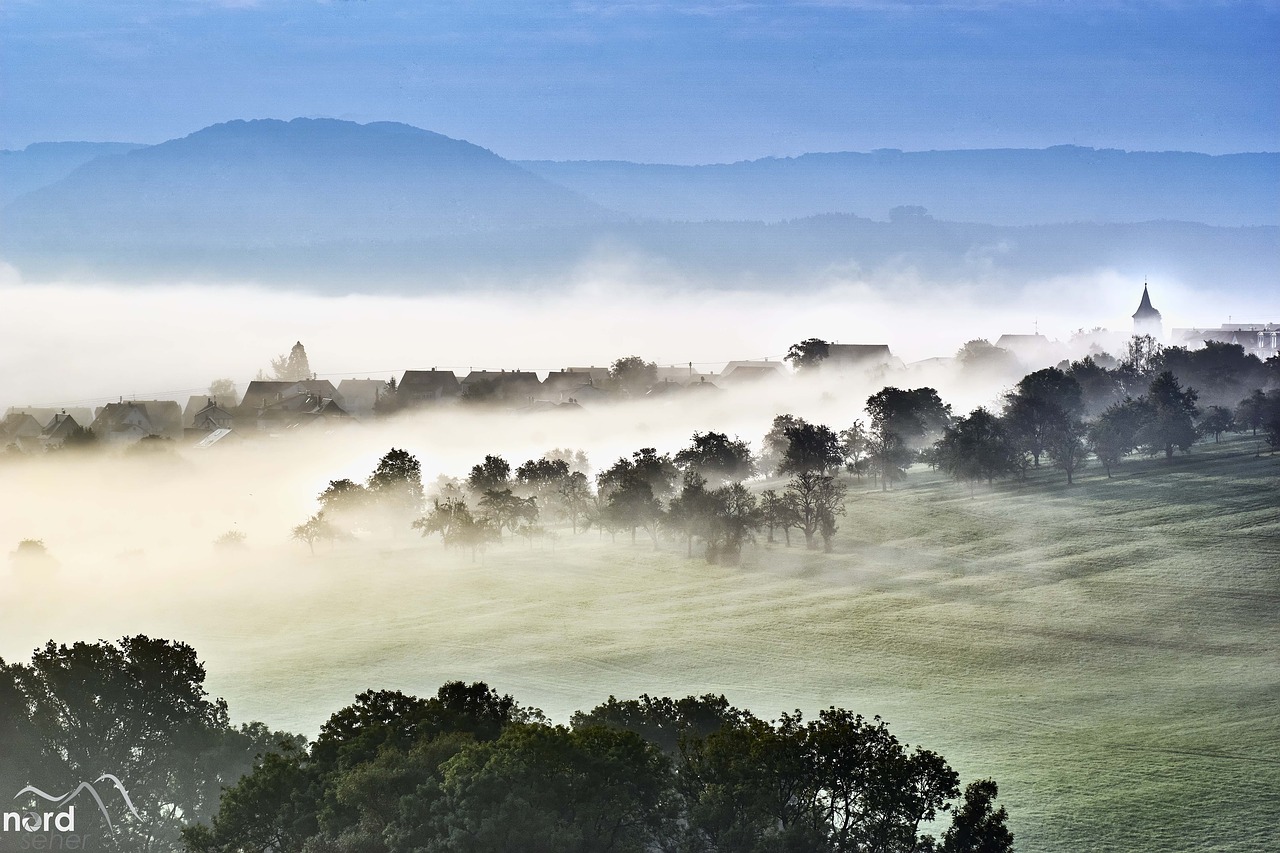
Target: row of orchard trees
<point>1047,416</point>
<point>696,495</point>
<point>1063,415</point>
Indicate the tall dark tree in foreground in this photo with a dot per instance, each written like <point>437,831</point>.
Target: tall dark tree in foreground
<point>1171,414</point>
<point>469,770</point>
<point>136,709</point>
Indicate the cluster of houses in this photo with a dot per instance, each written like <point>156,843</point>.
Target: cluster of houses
<point>273,408</point>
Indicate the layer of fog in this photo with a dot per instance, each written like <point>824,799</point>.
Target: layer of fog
<point>67,343</point>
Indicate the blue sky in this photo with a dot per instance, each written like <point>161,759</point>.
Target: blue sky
<point>681,82</point>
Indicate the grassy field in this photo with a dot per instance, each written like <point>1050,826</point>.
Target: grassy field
<point>1109,652</point>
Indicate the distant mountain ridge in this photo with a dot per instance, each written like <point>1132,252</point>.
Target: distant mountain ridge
<point>348,207</point>
<point>43,163</point>
<point>999,186</point>
<point>268,183</point>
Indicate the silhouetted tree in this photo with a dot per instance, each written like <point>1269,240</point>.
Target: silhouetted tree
<point>717,458</point>
<point>1170,420</point>
<point>633,375</point>
<point>733,518</point>
<point>396,485</point>
<point>976,826</point>
<point>1065,442</point>
<point>853,447</point>
<point>777,513</point>
<point>1099,387</point>
<point>292,367</point>
<point>976,447</point>
<point>810,447</point>
<point>808,354</point>
<point>506,509</point>
<point>1042,403</point>
<point>902,422</point>
<point>816,499</point>
<point>493,473</point>
<point>1115,432</point>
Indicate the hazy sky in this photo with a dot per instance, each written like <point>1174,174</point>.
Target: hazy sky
<point>696,81</point>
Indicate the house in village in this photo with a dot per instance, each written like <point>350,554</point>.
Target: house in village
<point>59,429</point>
<point>1260,339</point>
<point>361,396</point>
<point>1030,349</point>
<point>750,372</point>
<point>20,431</point>
<point>128,421</point>
<point>262,392</point>
<point>301,405</point>
<point>45,414</point>
<point>581,385</point>
<point>859,358</point>
<point>511,387</point>
<point>432,387</point>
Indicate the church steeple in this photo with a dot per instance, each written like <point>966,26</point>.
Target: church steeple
<point>1147,320</point>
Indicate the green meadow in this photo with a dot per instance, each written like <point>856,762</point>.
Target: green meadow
<point>1108,652</point>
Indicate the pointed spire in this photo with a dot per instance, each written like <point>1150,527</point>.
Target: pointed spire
<point>1145,308</point>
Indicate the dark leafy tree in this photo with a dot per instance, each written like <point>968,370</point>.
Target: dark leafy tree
<point>976,447</point>
<point>811,448</point>
<point>633,375</point>
<point>1042,403</point>
<point>984,359</point>
<point>808,354</point>
<point>1139,364</point>
<point>550,788</point>
<point>1099,387</point>
<point>662,721</point>
<point>493,473</point>
<point>902,423</point>
<point>716,458</point>
<point>396,483</point>
<point>977,826</point>
<point>655,470</point>
<point>629,504</point>
<point>853,446</point>
<point>1171,412</point>
<point>1221,372</point>
<point>136,709</point>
